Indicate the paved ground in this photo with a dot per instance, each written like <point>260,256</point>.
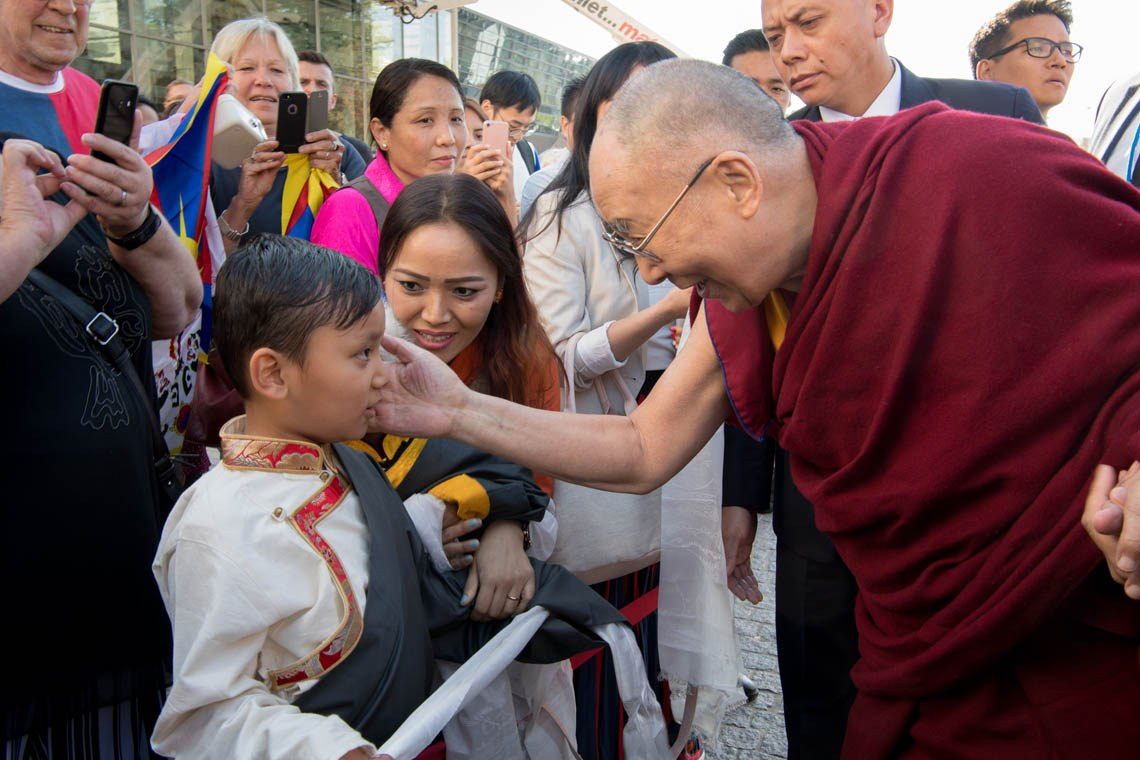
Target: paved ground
<point>756,731</point>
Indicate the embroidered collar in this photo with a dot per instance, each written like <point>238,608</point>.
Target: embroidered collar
<point>250,452</point>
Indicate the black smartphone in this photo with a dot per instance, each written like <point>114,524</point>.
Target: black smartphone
<point>116,117</point>
<point>292,120</point>
<point>318,111</point>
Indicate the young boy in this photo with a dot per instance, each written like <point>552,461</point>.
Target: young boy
<point>306,612</point>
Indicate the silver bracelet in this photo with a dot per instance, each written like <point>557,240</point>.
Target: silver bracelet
<point>225,228</point>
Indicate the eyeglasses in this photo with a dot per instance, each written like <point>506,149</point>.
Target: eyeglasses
<point>1042,47</point>
<point>615,238</point>
<point>517,130</point>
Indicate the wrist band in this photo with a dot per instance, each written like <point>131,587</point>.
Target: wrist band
<point>141,235</point>
<point>225,228</point>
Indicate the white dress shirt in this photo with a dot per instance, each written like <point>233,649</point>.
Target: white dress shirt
<point>886,104</point>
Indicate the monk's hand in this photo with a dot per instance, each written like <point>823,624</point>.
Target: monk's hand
<point>1112,520</point>
<point>505,575</point>
<point>458,545</point>
<point>421,396</point>
<point>738,531</point>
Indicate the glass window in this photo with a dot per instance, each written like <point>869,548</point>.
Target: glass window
<point>108,14</point>
<point>341,40</point>
<point>421,38</point>
<point>175,21</point>
<point>156,63</point>
<point>107,55</point>
<point>222,12</point>
<point>381,31</point>
<point>445,19</point>
<point>351,113</point>
<point>298,18</point>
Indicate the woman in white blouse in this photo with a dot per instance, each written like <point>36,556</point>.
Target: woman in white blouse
<point>599,316</point>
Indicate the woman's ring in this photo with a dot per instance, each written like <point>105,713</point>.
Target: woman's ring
<point>122,197</point>
<point>513,598</point>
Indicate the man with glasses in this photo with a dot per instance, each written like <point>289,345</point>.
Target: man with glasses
<point>1028,45</point>
<point>513,97</point>
<point>935,373</point>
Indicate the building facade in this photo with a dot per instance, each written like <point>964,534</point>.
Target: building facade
<point>487,45</point>
<point>152,42</point>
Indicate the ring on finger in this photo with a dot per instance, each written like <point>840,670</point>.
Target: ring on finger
<point>122,197</point>
<point>513,598</point>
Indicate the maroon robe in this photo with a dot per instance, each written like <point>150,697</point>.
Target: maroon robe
<point>964,350</point>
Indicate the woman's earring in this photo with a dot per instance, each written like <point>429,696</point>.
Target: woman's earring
<point>499,296</point>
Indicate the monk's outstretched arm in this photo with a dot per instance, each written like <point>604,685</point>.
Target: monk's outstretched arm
<point>637,453</point>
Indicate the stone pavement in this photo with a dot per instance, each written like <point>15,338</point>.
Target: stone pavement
<point>756,731</point>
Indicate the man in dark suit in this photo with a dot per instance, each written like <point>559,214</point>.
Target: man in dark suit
<point>833,55</point>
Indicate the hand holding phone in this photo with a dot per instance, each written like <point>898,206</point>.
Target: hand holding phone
<point>116,116</point>
<point>495,135</point>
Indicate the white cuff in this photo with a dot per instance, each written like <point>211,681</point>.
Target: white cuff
<point>426,512</point>
<point>594,355</point>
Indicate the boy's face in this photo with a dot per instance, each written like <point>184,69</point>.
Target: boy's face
<point>329,397</point>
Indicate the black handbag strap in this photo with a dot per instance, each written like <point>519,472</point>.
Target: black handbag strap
<point>103,331</point>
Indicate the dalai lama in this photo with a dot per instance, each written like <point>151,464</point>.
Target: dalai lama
<point>937,314</point>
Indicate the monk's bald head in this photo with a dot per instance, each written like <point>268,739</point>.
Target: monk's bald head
<point>674,114</point>
<point>741,227</point>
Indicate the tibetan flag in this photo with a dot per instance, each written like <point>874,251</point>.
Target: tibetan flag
<point>181,170</point>
<point>305,190</point>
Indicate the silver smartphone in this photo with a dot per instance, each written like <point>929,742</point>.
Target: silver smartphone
<point>318,118</point>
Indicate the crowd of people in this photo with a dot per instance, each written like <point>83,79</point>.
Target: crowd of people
<point>472,383</point>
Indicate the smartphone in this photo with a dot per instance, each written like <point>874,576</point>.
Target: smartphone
<point>116,117</point>
<point>292,121</point>
<point>495,136</point>
<point>318,111</point>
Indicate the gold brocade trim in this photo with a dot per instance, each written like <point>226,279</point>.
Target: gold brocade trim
<point>334,649</point>
<point>251,452</point>
<point>776,315</point>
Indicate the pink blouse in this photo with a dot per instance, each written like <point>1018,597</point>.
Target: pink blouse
<point>346,223</point>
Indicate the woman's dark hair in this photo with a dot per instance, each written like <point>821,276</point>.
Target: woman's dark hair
<point>602,83</point>
<point>517,355</point>
<point>393,83</point>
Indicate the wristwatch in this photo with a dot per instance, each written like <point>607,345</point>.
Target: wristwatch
<point>142,234</point>
<point>225,228</point>
<point>526,536</point>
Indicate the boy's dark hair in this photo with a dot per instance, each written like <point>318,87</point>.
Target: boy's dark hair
<point>994,35</point>
<point>570,96</point>
<point>512,89</point>
<point>275,291</point>
<point>312,56</point>
<point>748,41</point>
<point>143,100</point>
